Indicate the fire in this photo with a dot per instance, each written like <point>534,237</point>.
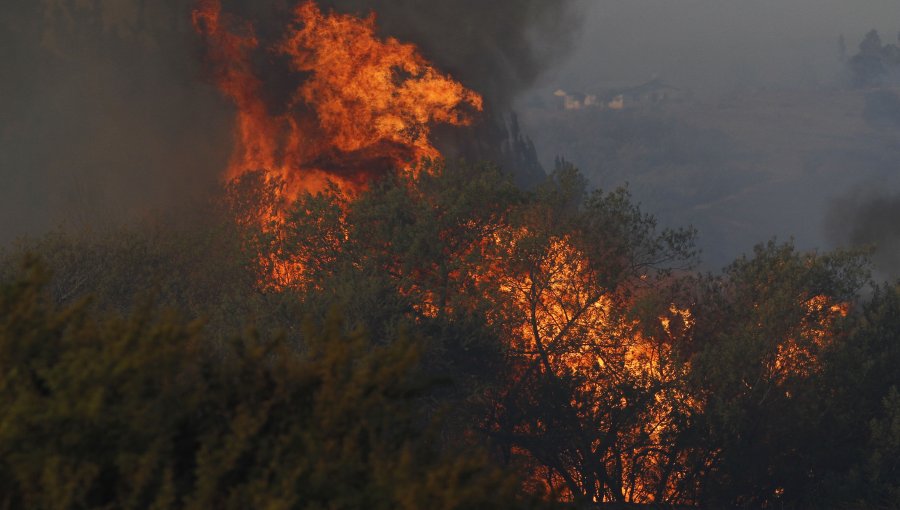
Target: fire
<point>364,107</point>
<point>567,329</point>
<point>799,356</point>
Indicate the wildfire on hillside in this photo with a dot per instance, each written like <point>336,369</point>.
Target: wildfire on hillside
<point>364,108</point>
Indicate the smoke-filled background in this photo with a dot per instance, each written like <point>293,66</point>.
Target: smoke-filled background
<point>102,118</point>
<point>739,117</point>
<point>746,119</point>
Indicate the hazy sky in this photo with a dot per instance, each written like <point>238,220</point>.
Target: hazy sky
<point>766,74</point>
<point>694,42</point>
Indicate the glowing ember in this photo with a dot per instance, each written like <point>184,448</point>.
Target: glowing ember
<point>798,356</point>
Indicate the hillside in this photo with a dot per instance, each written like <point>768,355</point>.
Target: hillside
<point>742,168</point>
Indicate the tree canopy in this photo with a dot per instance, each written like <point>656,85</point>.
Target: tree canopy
<point>492,343</point>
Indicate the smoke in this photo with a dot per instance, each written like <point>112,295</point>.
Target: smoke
<point>498,47</point>
<point>102,117</point>
<point>869,220</point>
<point>768,76</point>
<point>716,46</point>
<point>105,113</point>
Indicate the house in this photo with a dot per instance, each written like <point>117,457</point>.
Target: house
<point>653,93</point>
<point>647,95</point>
<point>577,101</point>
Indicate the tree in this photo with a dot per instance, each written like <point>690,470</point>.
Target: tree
<point>591,402</point>
<point>761,333</point>
<point>143,412</point>
<point>202,264</point>
<point>858,413</point>
<point>868,66</point>
<point>871,45</point>
<point>508,287</point>
<point>412,255</point>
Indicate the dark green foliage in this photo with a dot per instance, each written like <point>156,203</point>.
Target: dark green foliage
<point>141,412</point>
<point>881,468</point>
<point>857,409</point>
<point>757,349</point>
<point>406,257</point>
<point>203,267</point>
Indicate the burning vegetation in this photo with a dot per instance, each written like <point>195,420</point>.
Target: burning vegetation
<point>588,365</point>
<point>364,106</point>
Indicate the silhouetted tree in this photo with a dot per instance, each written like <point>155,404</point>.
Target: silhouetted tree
<point>875,62</point>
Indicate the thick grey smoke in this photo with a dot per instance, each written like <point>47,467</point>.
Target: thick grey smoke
<point>102,117</point>
<point>105,113</point>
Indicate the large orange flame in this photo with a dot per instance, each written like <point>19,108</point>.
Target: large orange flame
<point>364,107</point>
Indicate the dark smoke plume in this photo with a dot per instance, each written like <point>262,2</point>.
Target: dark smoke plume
<point>866,220</point>
<point>496,47</point>
<point>104,111</point>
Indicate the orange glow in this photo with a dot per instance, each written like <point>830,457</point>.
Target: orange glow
<point>799,355</point>
<point>570,327</point>
<point>365,106</point>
